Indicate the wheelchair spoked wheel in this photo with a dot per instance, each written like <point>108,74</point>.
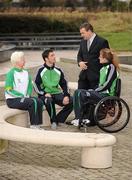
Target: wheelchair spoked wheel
<point>112,114</point>
<point>109,109</point>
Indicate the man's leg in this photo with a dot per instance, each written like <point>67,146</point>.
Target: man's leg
<point>93,84</point>
<point>39,109</point>
<point>67,109</point>
<point>28,104</point>
<point>50,107</point>
<point>83,84</point>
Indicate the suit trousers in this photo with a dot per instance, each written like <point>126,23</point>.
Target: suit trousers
<point>85,83</point>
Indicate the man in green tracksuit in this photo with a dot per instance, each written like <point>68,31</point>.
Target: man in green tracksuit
<point>53,89</point>
<point>18,89</point>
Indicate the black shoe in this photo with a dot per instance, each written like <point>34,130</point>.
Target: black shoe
<point>92,123</point>
<point>68,123</point>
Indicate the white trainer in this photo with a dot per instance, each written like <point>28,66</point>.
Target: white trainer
<point>86,122</point>
<point>36,127</point>
<point>75,122</point>
<point>53,126</point>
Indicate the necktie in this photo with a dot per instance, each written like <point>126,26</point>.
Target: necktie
<point>88,44</point>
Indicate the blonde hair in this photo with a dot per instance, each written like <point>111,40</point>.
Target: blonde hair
<point>16,57</point>
<point>110,56</point>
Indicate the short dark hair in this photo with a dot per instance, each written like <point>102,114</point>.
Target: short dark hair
<point>87,26</point>
<point>45,54</point>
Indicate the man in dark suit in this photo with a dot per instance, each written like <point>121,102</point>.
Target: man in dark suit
<point>88,57</point>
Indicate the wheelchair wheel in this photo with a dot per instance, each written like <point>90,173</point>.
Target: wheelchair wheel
<point>112,114</point>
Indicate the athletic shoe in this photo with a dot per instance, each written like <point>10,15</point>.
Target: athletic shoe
<point>53,126</point>
<point>75,122</point>
<point>36,127</point>
<point>86,122</point>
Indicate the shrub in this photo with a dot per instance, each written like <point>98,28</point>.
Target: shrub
<point>63,21</point>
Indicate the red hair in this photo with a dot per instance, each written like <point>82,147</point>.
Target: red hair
<point>110,56</point>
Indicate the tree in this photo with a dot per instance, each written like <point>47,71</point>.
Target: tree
<point>130,5</point>
<point>59,3</point>
<point>32,3</point>
<point>70,3</point>
<point>91,5</point>
<point>6,3</point>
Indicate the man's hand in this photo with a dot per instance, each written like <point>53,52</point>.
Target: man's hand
<point>83,65</point>
<point>66,100</point>
<point>47,95</point>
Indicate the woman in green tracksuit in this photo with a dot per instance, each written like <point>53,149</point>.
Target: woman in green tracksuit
<point>18,89</point>
<point>107,83</point>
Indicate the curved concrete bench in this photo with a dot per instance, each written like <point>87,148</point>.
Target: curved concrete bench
<point>96,148</point>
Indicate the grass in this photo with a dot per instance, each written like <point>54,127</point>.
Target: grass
<point>116,28</point>
<point>120,41</point>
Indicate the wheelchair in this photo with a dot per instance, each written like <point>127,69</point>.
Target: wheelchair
<point>111,114</point>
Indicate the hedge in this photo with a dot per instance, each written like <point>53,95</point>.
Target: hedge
<point>37,24</point>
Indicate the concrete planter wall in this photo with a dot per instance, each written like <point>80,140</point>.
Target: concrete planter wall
<point>5,52</point>
<point>125,59</point>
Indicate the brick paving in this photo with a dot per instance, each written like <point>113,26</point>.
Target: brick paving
<point>43,162</point>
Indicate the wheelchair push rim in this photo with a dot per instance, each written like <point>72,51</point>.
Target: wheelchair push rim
<point>112,114</point>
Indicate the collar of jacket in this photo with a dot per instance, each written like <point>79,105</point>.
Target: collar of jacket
<point>48,67</point>
<point>18,69</point>
<point>106,64</point>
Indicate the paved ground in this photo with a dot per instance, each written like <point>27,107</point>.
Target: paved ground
<point>42,162</point>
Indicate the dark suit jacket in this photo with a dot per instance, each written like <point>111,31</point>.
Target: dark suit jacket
<point>91,57</point>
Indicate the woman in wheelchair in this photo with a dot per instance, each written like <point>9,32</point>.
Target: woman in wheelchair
<point>85,100</point>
